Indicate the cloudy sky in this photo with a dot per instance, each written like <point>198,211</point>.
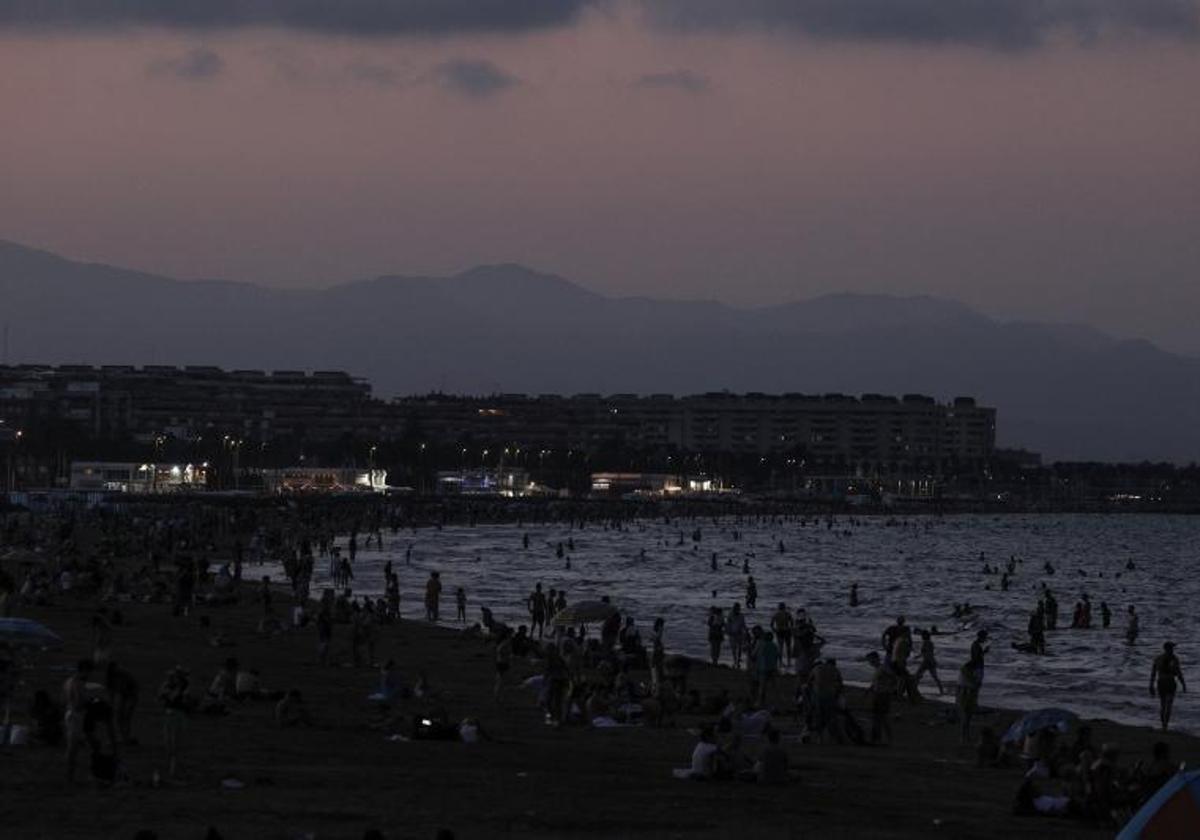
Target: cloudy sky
<point>1035,158</point>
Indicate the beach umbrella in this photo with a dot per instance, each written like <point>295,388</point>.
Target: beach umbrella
<point>1172,812</point>
<point>23,632</point>
<point>585,612</point>
<point>1059,719</point>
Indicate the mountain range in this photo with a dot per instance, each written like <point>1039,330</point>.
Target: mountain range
<point>1068,391</point>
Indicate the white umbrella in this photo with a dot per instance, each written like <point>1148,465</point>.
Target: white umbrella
<point>24,632</point>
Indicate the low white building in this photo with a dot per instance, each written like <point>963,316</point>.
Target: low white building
<point>132,477</point>
<point>324,480</point>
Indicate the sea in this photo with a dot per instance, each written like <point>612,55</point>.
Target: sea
<point>917,566</point>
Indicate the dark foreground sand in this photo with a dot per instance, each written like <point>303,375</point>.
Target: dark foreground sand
<point>534,781</point>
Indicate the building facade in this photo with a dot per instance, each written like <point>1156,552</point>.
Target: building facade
<point>875,430</point>
<point>143,402</point>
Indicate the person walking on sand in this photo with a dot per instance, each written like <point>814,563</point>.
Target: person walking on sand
<point>1165,672</point>
<point>928,662</point>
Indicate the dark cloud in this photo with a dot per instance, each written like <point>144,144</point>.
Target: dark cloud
<point>684,80</point>
<point>473,78</point>
<point>1005,24</point>
<point>357,17</point>
<point>200,63</point>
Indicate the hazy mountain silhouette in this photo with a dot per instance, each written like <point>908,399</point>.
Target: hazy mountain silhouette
<point>1067,390</point>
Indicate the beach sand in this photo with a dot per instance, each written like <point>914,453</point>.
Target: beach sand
<point>532,781</point>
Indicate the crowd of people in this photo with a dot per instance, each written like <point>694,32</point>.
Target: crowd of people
<point>594,669</point>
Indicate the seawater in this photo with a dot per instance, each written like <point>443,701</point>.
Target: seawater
<point>919,567</point>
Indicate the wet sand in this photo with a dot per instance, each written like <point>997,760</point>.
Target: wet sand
<point>532,781</point>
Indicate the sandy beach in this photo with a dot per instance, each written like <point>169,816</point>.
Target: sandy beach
<point>532,780</point>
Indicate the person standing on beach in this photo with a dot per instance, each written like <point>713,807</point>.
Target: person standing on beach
<point>536,604</point>
<point>735,629</point>
<point>766,664</point>
<point>1051,610</point>
<point>883,688</point>
<point>657,653</point>
<point>324,635</point>
<point>970,680</point>
<point>979,650</point>
<point>1163,676</point>
<point>123,695</point>
<point>716,634</point>
<point>751,593</point>
<point>1131,629</point>
<point>1037,629</point>
<point>781,625</point>
<point>504,654</point>
<point>74,702</point>
<point>433,596</point>
<point>460,604</point>
<point>174,697</point>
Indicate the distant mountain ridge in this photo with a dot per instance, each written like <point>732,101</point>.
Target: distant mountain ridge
<point>1069,391</point>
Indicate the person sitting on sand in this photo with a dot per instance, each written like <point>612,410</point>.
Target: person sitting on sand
<point>989,752</point>
<point>707,758</point>
<point>47,717</point>
<point>222,691</point>
<point>248,686</point>
<point>1150,777</point>
<point>290,711</point>
<point>771,767</point>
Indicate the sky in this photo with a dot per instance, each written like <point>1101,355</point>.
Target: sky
<point>1037,159</point>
